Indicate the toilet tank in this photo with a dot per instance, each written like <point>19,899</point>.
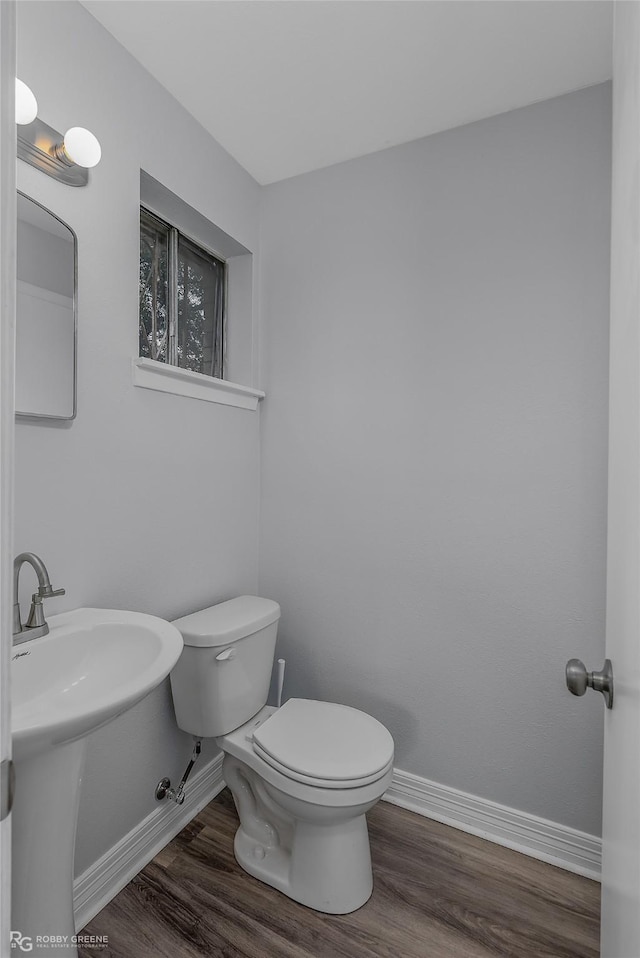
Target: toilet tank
<point>223,675</point>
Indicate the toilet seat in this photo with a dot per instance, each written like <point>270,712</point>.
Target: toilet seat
<point>324,744</point>
<point>321,782</point>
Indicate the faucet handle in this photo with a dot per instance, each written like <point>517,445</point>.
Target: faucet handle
<point>47,592</point>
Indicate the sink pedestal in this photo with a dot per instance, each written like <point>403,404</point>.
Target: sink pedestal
<point>44,818</point>
<point>94,665</point>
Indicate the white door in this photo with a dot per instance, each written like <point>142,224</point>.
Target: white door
<point>7,339</point>
<point>621,822</point>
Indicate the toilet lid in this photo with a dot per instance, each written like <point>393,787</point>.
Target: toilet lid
<point>320,741</point>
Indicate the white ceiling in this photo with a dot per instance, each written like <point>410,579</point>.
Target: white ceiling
<point>288,86</point>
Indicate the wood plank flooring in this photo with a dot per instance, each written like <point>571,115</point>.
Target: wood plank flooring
<point>438,893</point>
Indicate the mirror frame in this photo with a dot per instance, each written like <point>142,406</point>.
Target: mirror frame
<point>41,415</point>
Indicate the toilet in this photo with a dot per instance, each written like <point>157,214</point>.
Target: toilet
<point>303,776</point>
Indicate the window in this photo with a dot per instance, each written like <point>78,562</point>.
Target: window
<point>197,319</point>
<point>182,299</point>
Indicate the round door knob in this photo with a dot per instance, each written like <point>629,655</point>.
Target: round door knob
<point>576,676</point>
<point>579,680</point>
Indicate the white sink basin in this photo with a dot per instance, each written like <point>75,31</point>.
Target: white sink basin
<point>93,665</point>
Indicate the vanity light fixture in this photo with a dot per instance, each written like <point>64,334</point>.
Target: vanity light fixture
<point>67,159</point>
<point>79,146</point>
<point>26,104</point>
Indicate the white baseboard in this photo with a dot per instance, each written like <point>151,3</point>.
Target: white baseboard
<point>105,878</point>
<point>539,838</point>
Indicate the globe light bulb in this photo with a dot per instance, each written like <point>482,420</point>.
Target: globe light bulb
<point>26,104</point>
<point>82,147</point>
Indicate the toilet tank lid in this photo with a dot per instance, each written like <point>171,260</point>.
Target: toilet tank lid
<point>227,621</point>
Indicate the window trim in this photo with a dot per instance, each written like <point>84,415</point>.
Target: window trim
<point>151,374</point>
<point>174,233</point>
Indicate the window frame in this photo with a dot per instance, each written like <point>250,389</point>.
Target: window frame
<point>219,333</point>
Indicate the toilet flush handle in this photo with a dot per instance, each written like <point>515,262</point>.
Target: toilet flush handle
<point>226,655</point>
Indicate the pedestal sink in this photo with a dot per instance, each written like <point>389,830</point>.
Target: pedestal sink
<point>93,665</point>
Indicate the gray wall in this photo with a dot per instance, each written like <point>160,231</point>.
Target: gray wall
<point>435,446</point>
<point>147,501</point>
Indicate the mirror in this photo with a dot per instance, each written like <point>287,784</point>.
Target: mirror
<point>45,314</point>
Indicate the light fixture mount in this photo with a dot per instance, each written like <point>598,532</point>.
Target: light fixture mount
<point>40,146</point>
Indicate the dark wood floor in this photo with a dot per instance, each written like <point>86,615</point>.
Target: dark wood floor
<point>439,893</point>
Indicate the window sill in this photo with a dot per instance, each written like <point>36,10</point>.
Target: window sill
<point>182,382</point>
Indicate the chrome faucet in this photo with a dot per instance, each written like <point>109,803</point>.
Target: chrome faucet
<point>36,624</point>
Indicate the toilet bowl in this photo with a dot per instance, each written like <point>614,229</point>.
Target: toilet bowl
<point>302,776</point>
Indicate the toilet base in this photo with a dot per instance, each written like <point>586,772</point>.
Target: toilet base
<point>316,854</point>
<point>328,868</point>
